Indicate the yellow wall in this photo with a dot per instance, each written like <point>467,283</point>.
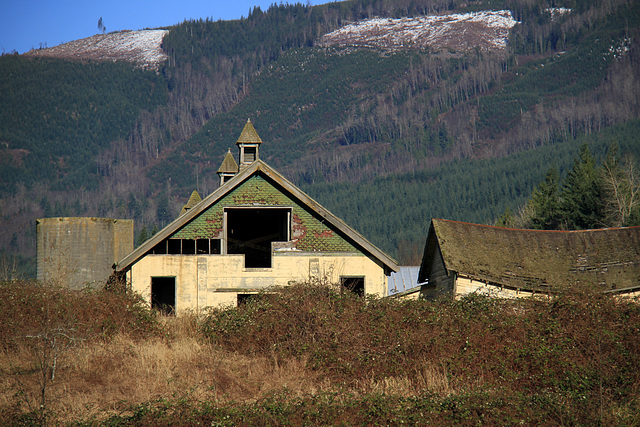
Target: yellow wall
<point>464,286</point>
<point>409,295</point>
<point>215,280</point>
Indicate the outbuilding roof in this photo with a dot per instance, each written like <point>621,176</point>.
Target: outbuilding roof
<point>259,167</point>
<point>538,260</point>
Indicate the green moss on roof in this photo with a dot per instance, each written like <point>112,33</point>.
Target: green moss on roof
<point>537,260</point>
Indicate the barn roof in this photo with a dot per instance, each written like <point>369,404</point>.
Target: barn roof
<point>536,259</point>
<point>259,167</point>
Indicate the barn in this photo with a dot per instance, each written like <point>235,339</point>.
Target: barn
<point>257,230</point>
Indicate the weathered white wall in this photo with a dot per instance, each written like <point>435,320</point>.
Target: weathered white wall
<point>465,286</point>
<point>215,280</point>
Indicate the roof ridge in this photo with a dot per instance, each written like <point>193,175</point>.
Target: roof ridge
<point>533,229</point>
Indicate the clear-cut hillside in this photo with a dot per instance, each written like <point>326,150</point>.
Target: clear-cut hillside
<point>487,30</point>
<point>142,47</point>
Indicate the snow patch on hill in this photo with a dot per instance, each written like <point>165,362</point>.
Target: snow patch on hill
<point>487,30</point>
<point>143,48</point>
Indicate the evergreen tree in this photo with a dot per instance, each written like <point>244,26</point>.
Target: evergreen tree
<point>143,236</point>
<point>506,219</point>
<point>582,207</point>
<point>162,210</point>
<point>546,203</point>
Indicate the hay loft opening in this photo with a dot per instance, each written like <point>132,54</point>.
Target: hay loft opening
<point>163,295</point>
<point>250,231</point>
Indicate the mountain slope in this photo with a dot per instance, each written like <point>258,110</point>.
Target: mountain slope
<point>393,124</point>
<point>142,48</point>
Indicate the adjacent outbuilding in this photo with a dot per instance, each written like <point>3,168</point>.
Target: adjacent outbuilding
<point>461,258</point>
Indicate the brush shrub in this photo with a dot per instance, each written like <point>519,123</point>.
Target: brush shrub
<point>31,307</point>
<point>568,360</point>
<point>578,349</point>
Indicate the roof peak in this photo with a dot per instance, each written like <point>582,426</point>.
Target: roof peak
<point>249,135</point>
<point>194,199</point>
<point>229,164</point>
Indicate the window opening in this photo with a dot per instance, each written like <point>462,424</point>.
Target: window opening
<point>353,284</point>
<point>251,232</point>
<point>188,247</point>
<point>163,295</point>
<point>202,246</point>
<point>174,246</point>
<point>249,154</point>
<point>160,248</point>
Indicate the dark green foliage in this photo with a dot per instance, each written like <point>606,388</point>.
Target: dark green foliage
<point>163,213</point>
<point>143,236</point>
<point>590,196</point>
<point>491,407</point>
<point>56,116</point>
<point>582,204</point>
<point>546,203</point>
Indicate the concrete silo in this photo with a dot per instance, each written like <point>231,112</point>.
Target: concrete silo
<point>79,252</point>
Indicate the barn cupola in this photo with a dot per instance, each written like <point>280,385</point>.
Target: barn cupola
<point>228,169</point>
<point>248,143</point>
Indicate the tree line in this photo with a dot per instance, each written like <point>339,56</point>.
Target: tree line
<point>589,196</point>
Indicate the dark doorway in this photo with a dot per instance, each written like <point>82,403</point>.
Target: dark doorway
<point>353,284</point>
<point>251,232</point>
<point>247,298</point>
<point>163,295</point>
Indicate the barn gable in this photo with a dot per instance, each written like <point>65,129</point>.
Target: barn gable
<point>257,230</point>
<point>313,228</point>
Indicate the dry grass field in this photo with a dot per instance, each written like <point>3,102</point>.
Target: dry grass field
<point>308,355</point>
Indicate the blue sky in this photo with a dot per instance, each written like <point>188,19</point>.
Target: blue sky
<point>28,24</point>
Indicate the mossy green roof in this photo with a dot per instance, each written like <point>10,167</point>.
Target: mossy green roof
<point>538,260</point>
<point>314,227</point>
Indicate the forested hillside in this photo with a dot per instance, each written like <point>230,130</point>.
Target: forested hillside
<point>384,138</point>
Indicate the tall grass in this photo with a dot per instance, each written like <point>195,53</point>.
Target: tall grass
<point>312,355</point>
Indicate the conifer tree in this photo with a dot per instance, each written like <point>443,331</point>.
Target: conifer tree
<point>546,203</point>
<point>581,194</point>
